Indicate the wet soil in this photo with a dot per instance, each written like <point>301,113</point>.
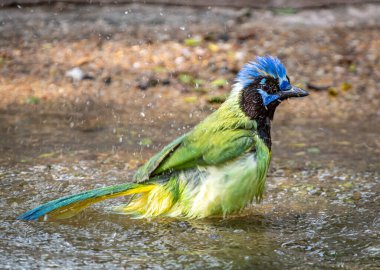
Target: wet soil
<point>151,73</point>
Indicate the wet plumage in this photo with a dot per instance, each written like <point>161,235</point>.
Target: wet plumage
<point>215,169</point>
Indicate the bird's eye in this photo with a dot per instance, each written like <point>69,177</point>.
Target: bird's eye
<point>272,88</point>
<point>270,85</point>
<point>276,88</point>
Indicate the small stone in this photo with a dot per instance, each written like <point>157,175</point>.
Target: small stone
<point>332,92</point>
<point>107,80</point>
<point>356,195</point>
<point>165,81</point>
<point>75,73</point>
<point>147,82</point>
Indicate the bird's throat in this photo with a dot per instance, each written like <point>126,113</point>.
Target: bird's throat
<point>263,129</point>
<point>251,104</point>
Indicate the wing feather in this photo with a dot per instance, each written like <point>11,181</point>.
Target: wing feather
<point>215,149</point>
<point>145,171</point>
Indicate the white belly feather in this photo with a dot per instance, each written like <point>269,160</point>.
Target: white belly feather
<point>220,189</point>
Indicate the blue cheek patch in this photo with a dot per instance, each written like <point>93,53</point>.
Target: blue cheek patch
<point>267,98</point>
<point>263,81</point>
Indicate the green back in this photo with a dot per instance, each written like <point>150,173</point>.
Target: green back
<point>221,137</point>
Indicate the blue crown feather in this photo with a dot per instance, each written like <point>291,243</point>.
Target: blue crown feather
<point>263,66</point>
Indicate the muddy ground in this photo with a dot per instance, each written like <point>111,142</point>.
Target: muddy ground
<point>89,92</point>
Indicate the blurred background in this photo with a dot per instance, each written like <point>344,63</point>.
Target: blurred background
<point>89,90</point>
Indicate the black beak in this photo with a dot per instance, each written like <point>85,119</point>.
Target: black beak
<point>293,92</point>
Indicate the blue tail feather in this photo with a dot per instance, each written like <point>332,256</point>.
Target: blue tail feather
<point>71,199</point>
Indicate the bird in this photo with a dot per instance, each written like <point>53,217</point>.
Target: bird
<point>215,169</point>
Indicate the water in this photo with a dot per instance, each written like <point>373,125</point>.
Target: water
<point>321,207</point>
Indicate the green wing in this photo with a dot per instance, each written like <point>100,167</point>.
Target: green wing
<point>210,149</point>
<point>198,149</point>
<point>145,171</point>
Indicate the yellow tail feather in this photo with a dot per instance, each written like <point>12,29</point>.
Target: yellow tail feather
<point>156,202</point>
<point>74,208</point>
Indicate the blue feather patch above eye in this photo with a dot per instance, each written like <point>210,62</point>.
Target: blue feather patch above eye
<point>263,81</point>
<point>285,85</point>
<point>262,66</point>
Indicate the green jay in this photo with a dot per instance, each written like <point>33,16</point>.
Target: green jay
<point>217,168</point>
